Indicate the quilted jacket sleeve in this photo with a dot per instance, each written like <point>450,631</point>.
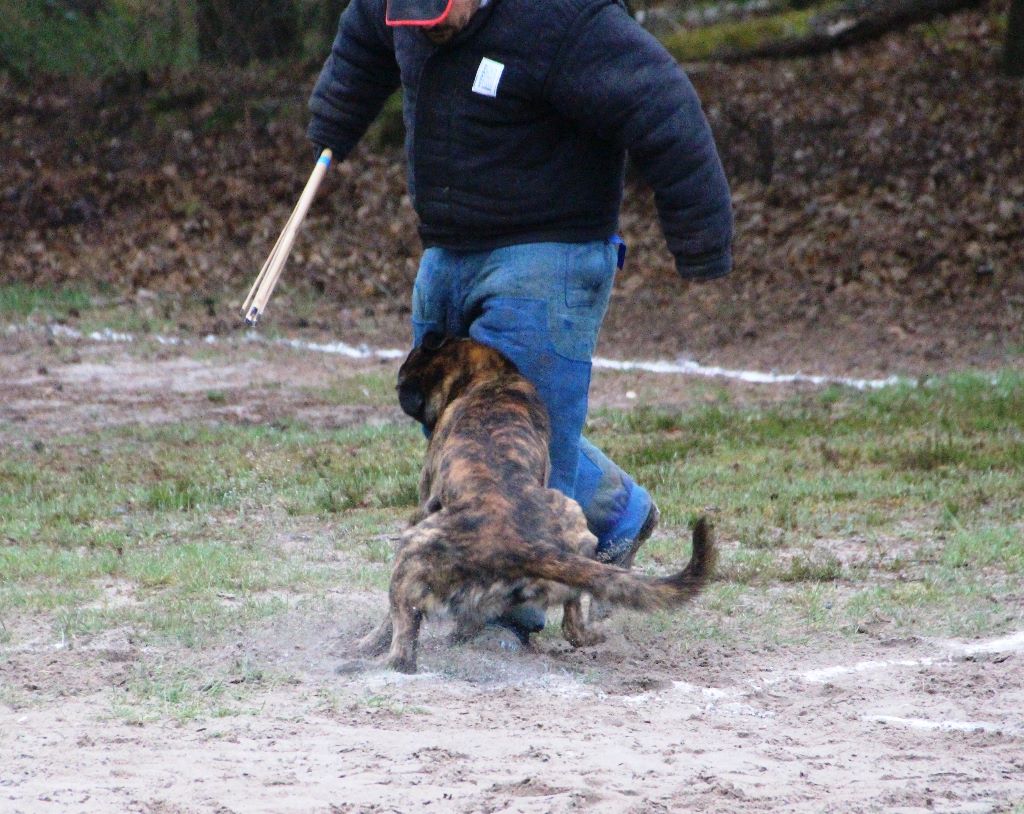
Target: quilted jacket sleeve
<point>618,83</point>
<point>356,79</point>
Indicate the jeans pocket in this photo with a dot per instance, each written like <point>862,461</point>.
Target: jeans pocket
<point>430,293</point>
<point>589,272</point>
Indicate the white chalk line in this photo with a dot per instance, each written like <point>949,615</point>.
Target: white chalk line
<point>682,367</point>
<point>1007,644</point>
<point>944,726</point>
<point>715,696</point>
<point>827,674</point>
<point>691,368</point>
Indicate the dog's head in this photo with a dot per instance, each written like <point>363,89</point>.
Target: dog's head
<point>441,369</point>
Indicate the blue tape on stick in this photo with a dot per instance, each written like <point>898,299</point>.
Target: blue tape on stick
<point>324,159</point>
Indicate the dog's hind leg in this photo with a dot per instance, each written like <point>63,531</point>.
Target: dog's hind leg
<point>376,642</point>
<point>574,626</point>
<point>419,563</point>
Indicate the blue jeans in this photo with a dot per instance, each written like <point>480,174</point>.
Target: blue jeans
<point>541,304</point>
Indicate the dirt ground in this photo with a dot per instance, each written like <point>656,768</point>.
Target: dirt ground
<point>889,726</point>
<point>882,724</point>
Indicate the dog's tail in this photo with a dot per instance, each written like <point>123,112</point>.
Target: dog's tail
<point>638,591</point>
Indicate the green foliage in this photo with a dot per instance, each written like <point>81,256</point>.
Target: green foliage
<point>388,131</point>
<point>1013,51</point>
<point>19,301</point>
<point>239,31</point>
<point>705,43</point>
<point>106,37</point>
<point>42,36</point>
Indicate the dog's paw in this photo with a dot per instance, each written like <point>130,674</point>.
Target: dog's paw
<point>353,666</point>
<point>586,638</point>
<point>401,665</point>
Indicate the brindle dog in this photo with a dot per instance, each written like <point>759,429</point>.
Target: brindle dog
<point>489,534</point>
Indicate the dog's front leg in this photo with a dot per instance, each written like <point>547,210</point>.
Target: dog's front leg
<point>574,626</point>
<point>467,626</point>
<point>406,594</point>
<point>420,556</point>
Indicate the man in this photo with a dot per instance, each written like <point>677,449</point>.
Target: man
<point>518,117</point>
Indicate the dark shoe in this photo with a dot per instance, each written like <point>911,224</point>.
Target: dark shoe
<point>622,554</point>
<point>523,620</point>
<point>623,557</point>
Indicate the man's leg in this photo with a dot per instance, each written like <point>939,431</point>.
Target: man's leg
<point>435,295</point>
<point>619,511</point>
<point>542,306</point>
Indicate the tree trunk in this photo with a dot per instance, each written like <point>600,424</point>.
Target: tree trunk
<point>239,31</point>
<point>859,21</point>
<point>1013,56</point>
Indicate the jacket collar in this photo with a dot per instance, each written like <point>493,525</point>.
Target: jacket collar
<point>476,22</point>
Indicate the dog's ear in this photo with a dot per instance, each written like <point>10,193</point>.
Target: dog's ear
<point>434,341</point>
<point>419,375</point>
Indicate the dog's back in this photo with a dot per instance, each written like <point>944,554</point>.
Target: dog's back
<point>491,442</point>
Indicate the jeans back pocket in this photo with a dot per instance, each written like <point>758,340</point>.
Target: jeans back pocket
<point>589,272</point>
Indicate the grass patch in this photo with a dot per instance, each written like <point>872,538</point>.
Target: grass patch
<point>107,489</point>
<point>362,389</point>
<point>19,301</point>
<point>92,310</point>
<point>836,510</point>
<point>980,549</point>
<point>179,515</point>
<point>159,691</point>
<point>937,470</point>
<point>379,702</point>
<point>703,43</point>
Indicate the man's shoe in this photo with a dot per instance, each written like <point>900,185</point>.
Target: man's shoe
<point>623,557</point>
<point>622,554</point>
<point>522,620</point>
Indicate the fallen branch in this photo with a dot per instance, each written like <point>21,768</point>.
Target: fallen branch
<point>858,22</point>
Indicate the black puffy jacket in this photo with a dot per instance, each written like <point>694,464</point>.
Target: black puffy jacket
<point>517,129</point>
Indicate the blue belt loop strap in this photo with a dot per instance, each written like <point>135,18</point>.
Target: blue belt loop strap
<point>620,245</point>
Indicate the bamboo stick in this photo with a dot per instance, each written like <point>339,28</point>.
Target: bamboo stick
<point>263,287</point>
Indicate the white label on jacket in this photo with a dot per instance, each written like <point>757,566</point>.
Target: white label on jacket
<point>488,75</point>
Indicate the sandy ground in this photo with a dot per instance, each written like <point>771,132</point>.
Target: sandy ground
<point>888,726</point>
<point>634,725</point>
